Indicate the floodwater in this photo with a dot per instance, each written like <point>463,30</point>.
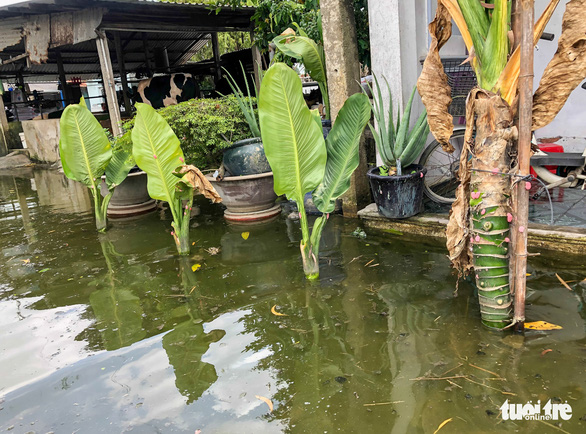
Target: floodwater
<point>115,333</point>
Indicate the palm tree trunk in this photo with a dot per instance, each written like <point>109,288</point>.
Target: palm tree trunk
<point>492,155</point>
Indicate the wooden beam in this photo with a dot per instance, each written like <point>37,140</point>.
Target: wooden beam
<point>525,122</point>
<point>216,51</point>
<point>109,85</point>
<point>4,126</point>
<point>256,62</point>
<point>122,71</point>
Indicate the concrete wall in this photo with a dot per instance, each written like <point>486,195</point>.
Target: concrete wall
<point>42,139</point>
<point>570,123</point>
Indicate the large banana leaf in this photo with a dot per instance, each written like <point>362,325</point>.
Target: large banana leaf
<point>156,150</point>
<point>293,140</point>
<point>119,166</point>
<point>342,151</point>
<point>305,49</point>
<point>84,147</point>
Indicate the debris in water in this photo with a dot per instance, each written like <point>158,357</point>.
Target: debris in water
<point>542,325</point>
<point>267,401</point>
<point>274,311</point>
<point>563,282</point>
<point>359,233</point>
<point>341,380</point>
<point>195,267</point>
<point>245,235</point>
<point>441,425</point>
<point>544,352</point>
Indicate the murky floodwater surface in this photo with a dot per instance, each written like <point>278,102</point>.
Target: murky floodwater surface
<point>115,333</point>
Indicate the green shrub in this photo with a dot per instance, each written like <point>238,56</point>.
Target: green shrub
<point>204,126</point>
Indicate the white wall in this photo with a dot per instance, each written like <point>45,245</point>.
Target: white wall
<point>570,124</point>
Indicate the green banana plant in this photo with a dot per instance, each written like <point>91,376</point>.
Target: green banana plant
<point>157,151</point>
<point>300,159</point>
<point>397,146</point>
<point>86,155</point>
<point>313,57</point>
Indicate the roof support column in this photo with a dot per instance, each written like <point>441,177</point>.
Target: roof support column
<point>147,54</point>
<point>122,71</point>
<point>216,51</point>
<point>109,85</point>
<point>343,71</point>
<point>256,62</point>
<point>3,125</point>
<point>63,80</point>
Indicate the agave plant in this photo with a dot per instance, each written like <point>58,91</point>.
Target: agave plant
<point>479,232</point>
<point>157,152</point>
<point>397,145</point>
<point>311,54</point>
<point>300,158</point>
<point>86,155</point>
<point>245,102</point>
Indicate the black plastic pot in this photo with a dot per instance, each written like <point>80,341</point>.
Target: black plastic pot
<point>246,157</point>
<point>398,197</point>
<point>326,126</point>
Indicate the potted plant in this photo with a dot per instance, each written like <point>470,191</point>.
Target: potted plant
<point>397,185</point>
<point>86,155</point>
<point>245,157</point>
<point>246,186</point>
<point>302,161</point>
<point>131,197</point>
<point>156,150</point>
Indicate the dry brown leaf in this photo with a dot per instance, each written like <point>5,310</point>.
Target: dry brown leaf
<point>433,83</point>
<point>566,70</point>
<point>563,282</point>
<point>198,181</point>
<point>267,401</point>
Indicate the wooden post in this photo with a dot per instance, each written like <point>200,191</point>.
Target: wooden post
<point>109,85</point>
<point>147,54</point>
<point>525,120</point>
<point>4,125</point>
<point>63,79</point>
<point>343,72</point>
<point>122,71</point>
<point>256,61</point>
<point>216,51</point>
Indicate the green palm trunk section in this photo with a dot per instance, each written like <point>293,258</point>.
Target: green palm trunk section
<point>101,207</point>
<point>491,265</point>
<point>181,228</point>
<point>490,208</point>
<point>310,245</point>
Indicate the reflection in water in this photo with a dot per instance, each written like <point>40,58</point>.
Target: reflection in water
<point>60,193</point>
<point>177,350</point>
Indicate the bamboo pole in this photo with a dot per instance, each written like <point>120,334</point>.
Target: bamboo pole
<point>525,110</point>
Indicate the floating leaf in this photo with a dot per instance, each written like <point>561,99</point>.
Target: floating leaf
<point>44,270</point>
<point>444,423</point>
<point>274,311</point>
<point>541,325</point>
<point>26,261</point>
<point>195,267</point>
<point>267,401</point>
<point>563,282</point>
<point>544,352</point>
<point>245,235</point>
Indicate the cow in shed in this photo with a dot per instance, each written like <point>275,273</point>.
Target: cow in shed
<point>165,90</point>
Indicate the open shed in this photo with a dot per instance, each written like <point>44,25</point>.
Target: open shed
<point>50,40</point>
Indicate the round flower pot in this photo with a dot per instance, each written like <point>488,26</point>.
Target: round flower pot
<point>246,157</point>
<point>131,197</point>
<point>247,198</point>
<point>398,197</point>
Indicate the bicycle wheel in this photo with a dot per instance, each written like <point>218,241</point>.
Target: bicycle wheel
<point>441,179</point>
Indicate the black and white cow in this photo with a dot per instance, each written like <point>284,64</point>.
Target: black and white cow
<point>165,90</point>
